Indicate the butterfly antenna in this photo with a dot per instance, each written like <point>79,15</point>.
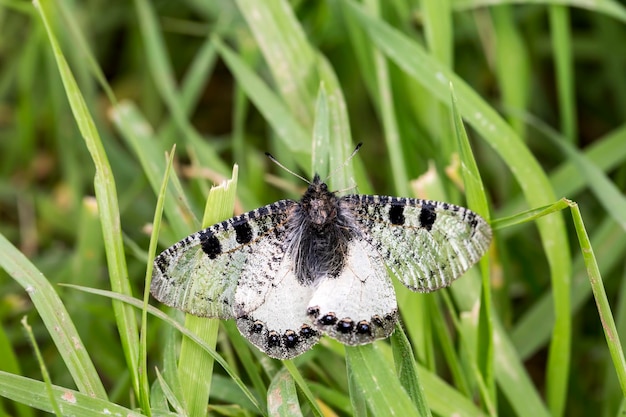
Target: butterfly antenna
<point>274,160</point>
<point>356,149</point>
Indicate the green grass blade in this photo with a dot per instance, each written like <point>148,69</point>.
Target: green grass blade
<point>563,63</point>
<point>445,400</point>
<point>512,377</point>
<point>180,328</point>
<point>42,366</point>
<point>106,194</point>
<point>606,153</point>
<point>340,138</point>
<point>274,111</point>
<point>55,317</point>
<point>321,135</point>
<point>410,56</point>
<point>159,65</point>
<point>389,118</point>
<point>605,191</point>
<point>406,369</point>
<point>602,302</point>
<point>532,330</point>
<point>282,398</point>
<point>608,7</point>
<point>477,201</point>
<point>381,388</point>
<point>171,397</point>
<point>195,366</point>
<point>511,63</point>
<point>143,354</point>
<point>287,53</point>
<point>296,376</point>
<point>71,403</point>
<point>139,136</point>
<point>529,215</point>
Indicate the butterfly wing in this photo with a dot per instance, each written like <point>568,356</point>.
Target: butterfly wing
<point>271,309</point>
<point>359,305</point>
<point>238,269</point>
<point>199,274</point>
<point>427,244</point>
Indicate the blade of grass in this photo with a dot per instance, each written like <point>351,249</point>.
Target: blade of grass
<point>477,201</point>
<point>563,64</point>
<point>104,184</point>
<point>406,369</point>
<point>443,399</point>
<point>611,387</point>
<point>511,63</point>
<point>160,68</point>
<point>532,330</point>
<point>195,366</point>
<point>608,7</point>
<point>287,52</point>
<point>171,398</point>
<point>282,398</point>
<point>607,193</point>
<point>156,225</point>
<point>602,302</point>
<point>529,215</point>
<point>381,388</point>
<point>606,153</point>
<point>276,113</point>
<point>55,317</point>
<point>71,403</point>
<point>44,371</point>
<point>321,134</point>
<point>410,56</point>
<point>340,138</point>
<point>138,134</point>
<point>297,377</point>
<point>179,327</point>
<point>438,30</point>
<point>389,117</point>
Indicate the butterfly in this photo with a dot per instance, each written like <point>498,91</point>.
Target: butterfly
<point>292,271</point>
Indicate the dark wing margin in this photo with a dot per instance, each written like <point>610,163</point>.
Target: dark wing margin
<point>199,274</point>
<point>427,244</point>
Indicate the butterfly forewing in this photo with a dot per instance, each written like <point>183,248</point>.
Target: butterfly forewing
<point>427,244</point>
<point>200,273</point>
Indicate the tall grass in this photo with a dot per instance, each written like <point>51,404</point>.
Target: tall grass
<point>537,87</point>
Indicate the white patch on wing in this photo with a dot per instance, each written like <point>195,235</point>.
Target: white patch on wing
<point>359,306</point>
<point>270,305</point>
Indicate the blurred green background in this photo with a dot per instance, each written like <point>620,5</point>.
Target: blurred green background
<point>228,80</point>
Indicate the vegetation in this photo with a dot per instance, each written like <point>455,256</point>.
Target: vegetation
<point>94,96</point>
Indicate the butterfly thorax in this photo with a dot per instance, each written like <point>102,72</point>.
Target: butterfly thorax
<point>319,232</point>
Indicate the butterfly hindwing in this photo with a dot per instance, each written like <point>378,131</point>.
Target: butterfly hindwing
<point>358,306</point>
<point>427,244</point>
<point>271,311</point>
<point>199,274</point>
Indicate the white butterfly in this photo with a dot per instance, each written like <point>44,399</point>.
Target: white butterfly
<point>292,271</point>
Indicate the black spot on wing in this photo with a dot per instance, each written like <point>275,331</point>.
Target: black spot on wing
<point>345,325</point>
<point>243,233</point>
<point>210,244</point>
<point>161,263</point>
<point>427,216</point>
<point>290,339</point>
<point>396,215</point>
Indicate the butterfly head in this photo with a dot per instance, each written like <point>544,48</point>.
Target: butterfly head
<point>318,204</point>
